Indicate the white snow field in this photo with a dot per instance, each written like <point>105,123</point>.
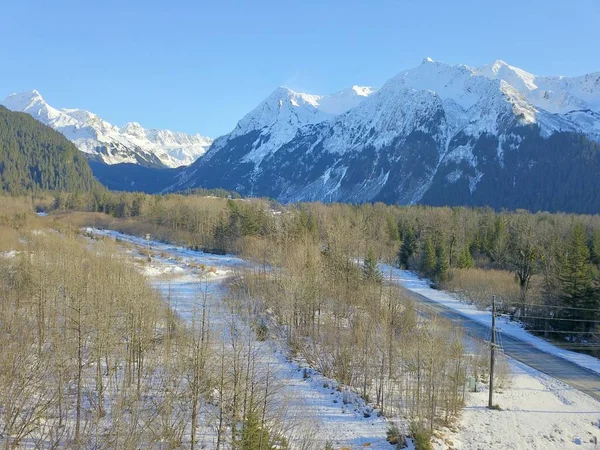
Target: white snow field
<point>310,402</point>
<point>537,412</point>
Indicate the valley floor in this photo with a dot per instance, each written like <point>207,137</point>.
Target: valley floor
<point>311,404</point>
<point>536,411</point>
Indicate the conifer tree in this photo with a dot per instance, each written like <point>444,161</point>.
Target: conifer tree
<point>407,249</point>
<point>254,436</point>
<point>429,258</point>
<point>576,276</point>
<point>576,281</point>
<point>443,263</point>
<point>465,259</point>
<point>595,246</point>
<point>370,270</point>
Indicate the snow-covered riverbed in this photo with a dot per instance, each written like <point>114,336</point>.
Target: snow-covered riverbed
<point>309,400</point>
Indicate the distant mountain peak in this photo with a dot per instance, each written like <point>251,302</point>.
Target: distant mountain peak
<point>23,100</point>
<point>285,111</point>
<point>363,91</point>
<point>103,141</point>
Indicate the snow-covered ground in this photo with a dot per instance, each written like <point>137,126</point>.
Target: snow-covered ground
<point>536,412</point>
<point>9,254</point>
<point>323,412</point>
<point>412,282</point>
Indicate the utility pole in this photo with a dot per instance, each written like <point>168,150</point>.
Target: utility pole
<point>148,242</point>
<point>492,352</point>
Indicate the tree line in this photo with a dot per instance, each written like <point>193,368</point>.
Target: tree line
<point>553,258</point>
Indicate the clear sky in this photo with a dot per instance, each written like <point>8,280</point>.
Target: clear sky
<point>199,66</point>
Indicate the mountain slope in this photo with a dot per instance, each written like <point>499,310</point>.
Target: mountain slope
<point>133,177</point>
<point>35,157</point>
<point>110,144</point>
<point>437,133</point>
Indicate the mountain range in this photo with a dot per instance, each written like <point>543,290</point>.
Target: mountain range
<point>110,144</point>
<point>437,134</point>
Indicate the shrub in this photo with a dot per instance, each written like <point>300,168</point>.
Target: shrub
<point>421,436</point>
<point>395,437</point>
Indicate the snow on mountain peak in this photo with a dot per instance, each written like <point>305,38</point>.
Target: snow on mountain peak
<point>363,91</point>
<point>554,94</point>
<point>285,111</point>
<point>533,99</point>
<point>23,100</point>
<point>111,144</point>
<point>344,100</point>
<point>290,110</point>
<point>134,129</point>
<point>514,76</point>
<point>447,81</point>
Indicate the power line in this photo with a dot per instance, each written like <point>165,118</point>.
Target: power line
<point>553,306</point>
<point>563,332</point>
<point>552,318</point>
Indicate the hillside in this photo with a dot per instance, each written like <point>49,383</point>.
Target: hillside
<point>132,177</point>
<point>35,157</point>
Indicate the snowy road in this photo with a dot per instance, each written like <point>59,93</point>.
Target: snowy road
<point>581,378</point>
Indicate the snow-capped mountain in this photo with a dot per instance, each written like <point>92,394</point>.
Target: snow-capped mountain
<point>437,133</point>
<point>111,144</point>
<point>284,112</point>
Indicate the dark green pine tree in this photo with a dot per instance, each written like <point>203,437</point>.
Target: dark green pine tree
<point>429,258</point>
<point>370,271</point>
<point>221,235</point>
<point>595,246</point>
<point>443,263</point>
<point>254,435</point>
<point>465,258</point>
<point>576,281</point>
<point>407,249</point>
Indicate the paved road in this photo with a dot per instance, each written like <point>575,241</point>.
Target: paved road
<point>576,376</point>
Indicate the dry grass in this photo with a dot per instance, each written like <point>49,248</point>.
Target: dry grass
<point>477,286</point>
<point>10,239</point>
<point>134,226</point>
<point>17,217</point>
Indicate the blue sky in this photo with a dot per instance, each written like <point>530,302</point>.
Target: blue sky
<point>199,66</point>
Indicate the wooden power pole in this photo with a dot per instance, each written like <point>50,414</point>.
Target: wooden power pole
<point>148,246</point>
<point>492,352</point>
